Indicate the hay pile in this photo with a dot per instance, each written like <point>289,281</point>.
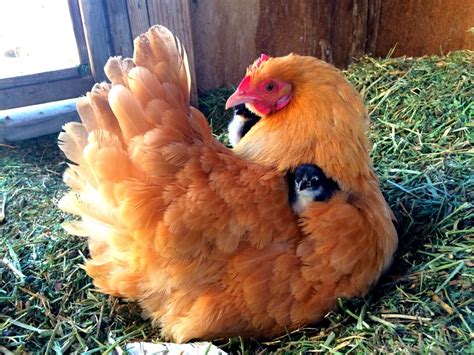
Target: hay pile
<point>420,111</point>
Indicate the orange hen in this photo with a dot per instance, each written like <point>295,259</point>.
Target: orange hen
<point>203,237</point>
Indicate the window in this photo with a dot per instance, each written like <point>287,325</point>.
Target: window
<point>52,50</point>
<point>43,52</point>
<point>36,37</point>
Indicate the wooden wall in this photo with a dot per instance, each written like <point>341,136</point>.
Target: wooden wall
<point>228,35</point>
<point>419,27</point>
<point>223,37</point>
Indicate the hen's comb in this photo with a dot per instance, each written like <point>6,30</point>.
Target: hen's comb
<point>263,58</point>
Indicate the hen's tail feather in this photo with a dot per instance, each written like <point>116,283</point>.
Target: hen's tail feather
<point>154,85</point>
<point>72,141</point>
<point>146,94</point>
<point>159,45</point>
<point>134,135</point>
<point>117,70</point>
<point>129,112</point>
<point>105,117</point>
<point>144,85</point>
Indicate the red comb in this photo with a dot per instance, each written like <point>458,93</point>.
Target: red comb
<point>258,62</point>
<point>263,58</point>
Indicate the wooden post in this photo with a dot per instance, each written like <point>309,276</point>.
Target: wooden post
<point>120,31</point>
<point>176,15</point>
<point>138,16</point>
<point>76,18</point>
<point>46,91</point>
<point>37,120</point>
<point>97,36</point>
<point>373,20</point>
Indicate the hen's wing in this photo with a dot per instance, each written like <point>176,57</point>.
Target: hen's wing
<point>156,193</point>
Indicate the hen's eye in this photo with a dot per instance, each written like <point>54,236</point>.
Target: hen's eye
<point>269,86</point>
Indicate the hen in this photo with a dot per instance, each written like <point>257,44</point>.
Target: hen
<point>203,237</point>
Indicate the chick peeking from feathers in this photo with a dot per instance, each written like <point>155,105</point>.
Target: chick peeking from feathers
<point>306,183</point>
<point>202,236</point>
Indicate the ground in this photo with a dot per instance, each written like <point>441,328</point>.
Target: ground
<point>421,111</point>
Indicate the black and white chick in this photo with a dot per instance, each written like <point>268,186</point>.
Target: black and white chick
<point>307,183</point>
<point>241,123</point>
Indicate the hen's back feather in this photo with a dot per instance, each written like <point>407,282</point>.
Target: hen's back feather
<point>205,240</point>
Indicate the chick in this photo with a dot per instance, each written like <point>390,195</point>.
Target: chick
<point>307,183</point>
<point>241,123</point>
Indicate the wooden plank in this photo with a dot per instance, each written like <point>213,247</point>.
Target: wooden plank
<point>77,26</point>
<point>348,30</point>
<point>373,20</point>
<point>421,27</point>
<point>308,34</point>
<point>44,92</point>
<point>97,36</point>
<point>358,37</point>
<point>332,30</point>
<point>24,80</point>
<point>223,45</point>
<point>120,30</point>
<point>138,16</point>
<point>335,31</point>
<point>37,120</point>
<point>176,15</point>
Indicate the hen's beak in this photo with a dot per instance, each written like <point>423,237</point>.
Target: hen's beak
<point>238,98</point>
<point>241,95</point>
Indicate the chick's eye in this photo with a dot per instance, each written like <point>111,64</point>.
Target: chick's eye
<point>314,181</point>
<point>269,87</point>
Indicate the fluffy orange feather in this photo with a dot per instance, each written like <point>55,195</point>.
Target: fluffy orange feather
<point>203,236</point>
